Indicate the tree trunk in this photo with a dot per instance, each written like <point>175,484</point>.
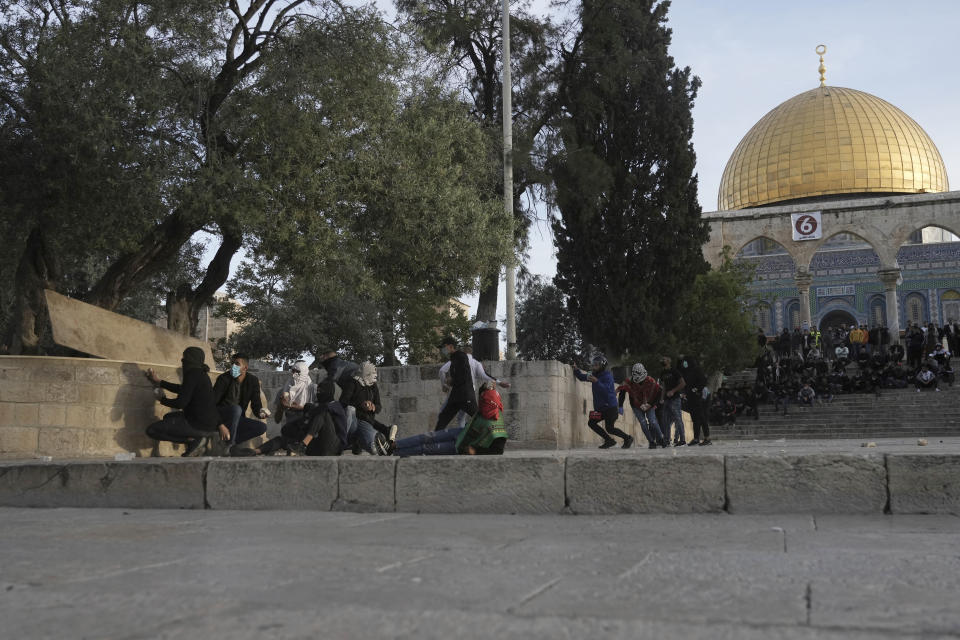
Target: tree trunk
<point>487,303</point>
<point>36,272</point>
<point>134,267</point>
<point>178,310</point>
<point>389,343</point>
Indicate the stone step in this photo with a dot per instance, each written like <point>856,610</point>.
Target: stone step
<point>836,477</point>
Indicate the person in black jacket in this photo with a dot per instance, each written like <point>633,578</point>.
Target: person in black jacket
<point>234,391</point>
<point>696,392</point>
<point>197,418</point>
<point>462,396</point>
<point>362,393</point>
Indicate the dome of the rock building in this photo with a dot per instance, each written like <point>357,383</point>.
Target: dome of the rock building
<point>831,141</point>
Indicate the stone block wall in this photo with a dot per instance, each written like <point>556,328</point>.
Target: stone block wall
<point>77,407</point>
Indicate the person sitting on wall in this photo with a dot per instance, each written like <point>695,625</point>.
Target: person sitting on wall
<point>484,435</point>
<point>296,394</point>
<point>196,419</point>
<point>926,379</point>
<point>234,391</point>
<point>362,393</point>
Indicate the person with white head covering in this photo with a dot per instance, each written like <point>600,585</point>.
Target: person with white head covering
<point>296,394</point>
<point>362,393</point>
<point>644,395</point>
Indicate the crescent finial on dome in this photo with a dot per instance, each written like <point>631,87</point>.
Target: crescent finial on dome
<point>822,49</point>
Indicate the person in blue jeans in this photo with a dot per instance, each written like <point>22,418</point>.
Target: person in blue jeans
<point>605,406</point>
<point>672,384</point>
<point>644,395</point>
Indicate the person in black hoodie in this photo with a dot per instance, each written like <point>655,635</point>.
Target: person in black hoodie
<point>462,396</point>
<point>197,417</point>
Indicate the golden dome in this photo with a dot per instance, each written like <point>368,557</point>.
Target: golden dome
<point>826,141</point>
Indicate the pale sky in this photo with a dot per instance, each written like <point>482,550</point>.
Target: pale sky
<point>754,54</point>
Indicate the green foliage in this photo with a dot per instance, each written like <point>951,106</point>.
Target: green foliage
<point>629,233</point>
<point>545,328</point>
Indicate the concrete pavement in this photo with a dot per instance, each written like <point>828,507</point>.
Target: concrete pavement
<point>110,573</point>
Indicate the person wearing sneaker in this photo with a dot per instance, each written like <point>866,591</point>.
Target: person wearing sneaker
<point>644,394</point>
<point>362,393</point>
<point>926,379</point>
<point>321,432</point>
<point>236,390</point>
<point>484,435</point>
<point>605,406</point>
<point>196,419</point>
<point>672,385</point>
<point>697,393</point>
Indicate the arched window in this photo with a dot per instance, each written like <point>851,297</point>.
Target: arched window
<point>915,308</point>
<point>792,315</point>
<point>762,318</point>
<point>878,316</point>
<point>951,306</point>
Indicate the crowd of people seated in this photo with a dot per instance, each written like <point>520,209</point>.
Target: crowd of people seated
<point>327,418</point>
<point>809,368</point>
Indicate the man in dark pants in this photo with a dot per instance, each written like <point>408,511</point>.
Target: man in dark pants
<point>235,390</point>
<point>197,418</point>
<point>462,396</point>
<point>696,383</point>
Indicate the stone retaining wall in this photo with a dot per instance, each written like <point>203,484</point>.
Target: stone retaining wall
<point>82,407</point>
<point>828,483</point>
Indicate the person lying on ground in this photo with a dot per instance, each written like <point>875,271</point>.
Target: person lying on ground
<point>484,435</point>
<point>196,419</point>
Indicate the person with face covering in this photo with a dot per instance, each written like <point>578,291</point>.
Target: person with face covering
<point>196,418</point>
<point>604,403</point>
<point>362,393</point>
<point>296,394</point>
<point>696,390</point>
<point>234,391</point>
<point>644,395</point>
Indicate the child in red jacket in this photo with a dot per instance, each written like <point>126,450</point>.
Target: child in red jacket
<point>644,395</point>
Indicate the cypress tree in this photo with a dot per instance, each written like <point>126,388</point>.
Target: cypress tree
<point>629,231</point>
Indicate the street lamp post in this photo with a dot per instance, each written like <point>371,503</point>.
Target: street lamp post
<point>511,285</point>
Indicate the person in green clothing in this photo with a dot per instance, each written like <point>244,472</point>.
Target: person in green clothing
<point>484,435</point>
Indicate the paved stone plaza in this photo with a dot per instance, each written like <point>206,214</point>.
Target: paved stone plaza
<point>111,573</point>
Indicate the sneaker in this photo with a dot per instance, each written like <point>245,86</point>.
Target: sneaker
<point>296,449</point>
<point>653,445</point>
<point>608,443</point>
<point>394,429</point>
<point>693,443</point>
<point>937,389</point>
<point>706,442</point>
<point>242,452</point>
<point>627,442</point>
<point>356,449</point>
<point>918,390</point>
<point>679,443</point>
<point>381,445</point>
<point>195,447</point>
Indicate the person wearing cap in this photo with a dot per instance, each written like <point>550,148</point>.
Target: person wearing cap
<point>462,396</point>
<point>196,418</point>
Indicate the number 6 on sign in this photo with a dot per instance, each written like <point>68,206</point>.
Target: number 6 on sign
<point>807,226</point>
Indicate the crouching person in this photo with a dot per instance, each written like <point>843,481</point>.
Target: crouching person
<point>362,393</point>
<point>322,431</point>
<point>236,390</point>
<point>484,435</point>
<point>196,419</point>
<point>644,394</point>
<point>926,379</point>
